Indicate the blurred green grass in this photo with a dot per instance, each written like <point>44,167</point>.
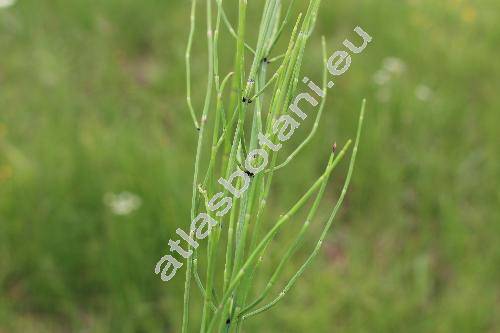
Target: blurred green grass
<point>92,102</point>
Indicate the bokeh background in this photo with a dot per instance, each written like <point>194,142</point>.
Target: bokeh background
<point>97,152</point>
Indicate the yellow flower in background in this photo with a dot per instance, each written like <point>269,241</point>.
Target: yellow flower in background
<point>469,14</point>
<point>463,8</point>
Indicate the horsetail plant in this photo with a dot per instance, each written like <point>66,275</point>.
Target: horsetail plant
<point>250,123</point>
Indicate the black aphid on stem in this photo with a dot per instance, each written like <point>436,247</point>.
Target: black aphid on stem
<point>249,173</point>
<point>247,100</point>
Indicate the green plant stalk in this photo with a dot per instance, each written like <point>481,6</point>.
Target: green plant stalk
<point>246,213</point>
<point>318,116</point>
<point>279,86</point>
<point>280,223</point>
<point>208,182</point>
<point>230,27</point>
<point>301,234</point>
<point>241,227</point>
<point>298,241</point>
<point>214,236</point>
<point>245,197</point>
<point>327,226</point>
<point>230,151</point>
<point>257,183</point>
<point>231,231</point>
<point>200,284</point>
<point>188,63</point>
<point>267,25</point>
<point>187,284</point>
<point>284,92</point>
<point>239,61</point>
<point>293,247</point>
<point>286,62</point>
<point>282,27</point>
<point>259,178</point>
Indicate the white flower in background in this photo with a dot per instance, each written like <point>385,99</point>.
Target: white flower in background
<point>381,77</point>
<point>394,65</point>
<point>6,3</point>
<point>391,67</point>
<point>122,203</point>
<point>423,92</point>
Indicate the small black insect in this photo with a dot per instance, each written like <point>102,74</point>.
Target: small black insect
<point>228,321</point>
<point>249,173</point>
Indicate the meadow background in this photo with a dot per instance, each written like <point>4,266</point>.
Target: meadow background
<point>97,150</point>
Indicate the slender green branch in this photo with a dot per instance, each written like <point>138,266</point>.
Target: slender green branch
<point>212,38</point>
<point>200,284</point>
<point>298,241</point>
<point>326,228</point>
<point>188,63</point>
<point>318,115</point>
<point>187,284</point>
<point>279,224</point>
<point>233,137</point>
<point>230,27</point>
<point>268,83</point>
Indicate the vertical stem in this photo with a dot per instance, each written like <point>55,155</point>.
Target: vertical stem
<point>187,284</point>
<point>214,236</point>
<point>327,226</point>
<point>192,20</point>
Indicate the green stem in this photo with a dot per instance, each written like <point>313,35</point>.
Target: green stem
<point>326,228</point>
<point>187,283</point>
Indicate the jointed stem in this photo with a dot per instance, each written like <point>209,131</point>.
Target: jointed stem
<point>318,116</point>
<point>187,284</point>
<point>326,228</point>
<point>246,242</point>
<point>284,219</point>
<point>188,63</point>
<point>300,236</point>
